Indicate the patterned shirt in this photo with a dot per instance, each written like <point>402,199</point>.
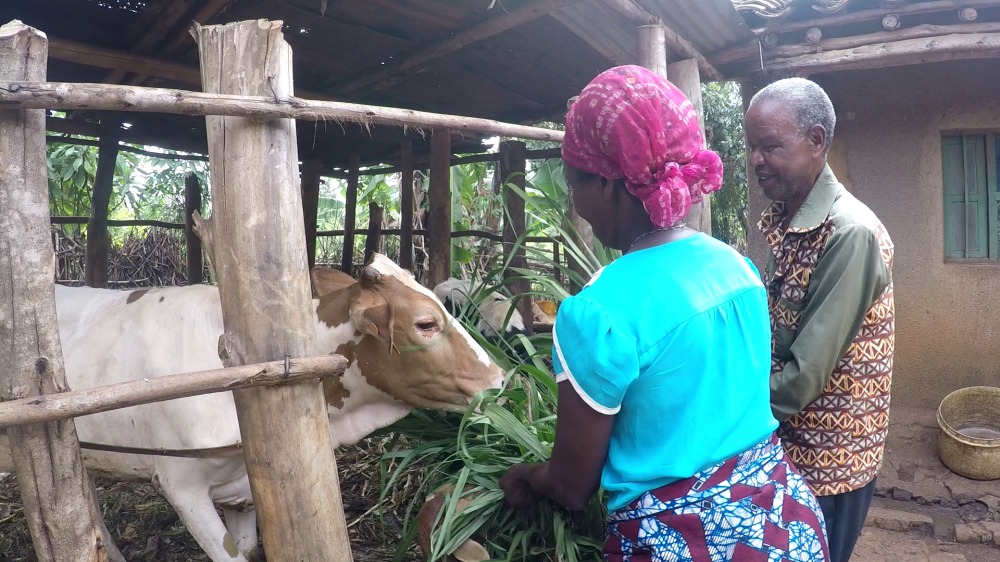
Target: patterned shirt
<point>829,283</point>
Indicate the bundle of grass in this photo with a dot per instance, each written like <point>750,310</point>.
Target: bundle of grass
<point>466,454</point>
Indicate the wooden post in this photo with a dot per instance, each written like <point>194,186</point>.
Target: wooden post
<point>259,253</point>
<point>95,273</point>
<point>439,195</point>
<point>652,48</point>
<point>685,75</point>
<point>513,155</point>
<point>350,214</point>
<point>758,249</point>
<point>556,272</point>
<point>584,241</point>
<point>55,490</point>
<point>406,205</point>
<point>310,177</point>
<point>192,203</point>
<point>374,230</point>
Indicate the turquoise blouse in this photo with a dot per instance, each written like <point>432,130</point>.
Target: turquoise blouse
<point>675,342</point>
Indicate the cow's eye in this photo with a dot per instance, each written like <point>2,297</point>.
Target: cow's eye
<point>426,326</point>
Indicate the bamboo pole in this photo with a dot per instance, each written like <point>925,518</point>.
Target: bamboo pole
<point>406,205</point>
<point>310,178</point>
<point>511,169</point>
<point>684,74</point>
<point>55,491</point>
<point>192,205</point>
<point>84,402</point>
<point>258,252</point>
<point>350,215</point>
<point>484,30</point>
<point>95,272</point>
<point>114,97</point>
<point>439,195</point>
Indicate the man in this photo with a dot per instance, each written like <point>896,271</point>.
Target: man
<point>829,286</point>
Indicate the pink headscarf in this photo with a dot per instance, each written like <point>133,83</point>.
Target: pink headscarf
<point>630,123</point>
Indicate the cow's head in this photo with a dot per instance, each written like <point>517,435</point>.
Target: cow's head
<point>399,340</point>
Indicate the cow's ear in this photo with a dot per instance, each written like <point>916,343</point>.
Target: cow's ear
<point>326,280</point>
<point>471,551</point>
<point>372,314</point>
<point>376,321</point>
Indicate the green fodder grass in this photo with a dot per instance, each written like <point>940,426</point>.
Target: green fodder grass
<point>471,451</point>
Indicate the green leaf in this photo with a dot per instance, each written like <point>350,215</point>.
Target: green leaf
<point>460,254</point>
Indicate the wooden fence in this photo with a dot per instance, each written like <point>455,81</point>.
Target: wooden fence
<point>293,467</point>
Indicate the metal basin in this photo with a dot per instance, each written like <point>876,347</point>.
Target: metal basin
<point>969,442</point>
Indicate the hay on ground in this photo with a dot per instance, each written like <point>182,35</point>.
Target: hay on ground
<point>146,528</point>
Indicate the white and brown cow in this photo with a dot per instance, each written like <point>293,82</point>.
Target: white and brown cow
<point>405,351</point>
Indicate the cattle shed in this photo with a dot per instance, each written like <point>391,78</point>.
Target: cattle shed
<point>515,61</point>
<point>228,82</point>
<point>411,83</point>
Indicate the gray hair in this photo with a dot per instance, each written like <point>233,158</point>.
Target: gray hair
<point>811,104</point>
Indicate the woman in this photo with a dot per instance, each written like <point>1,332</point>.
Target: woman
<point>663,360</point>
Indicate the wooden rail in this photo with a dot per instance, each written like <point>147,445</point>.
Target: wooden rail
<point>137,222</point>
<point>538,154</point>
<point>66,405</point>
<point>126,148</point>
<point>385,231</point>
<point>114,97</point>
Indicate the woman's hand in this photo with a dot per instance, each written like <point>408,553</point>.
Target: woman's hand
<point>573,474</point>
<point>516,486</point>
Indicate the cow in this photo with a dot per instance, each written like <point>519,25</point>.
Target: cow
<point>404,351</point>
<point>493,307</point>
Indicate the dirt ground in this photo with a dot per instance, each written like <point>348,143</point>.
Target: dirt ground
<point>912,481</point>
<point>877,545</point>
<point>147,529</point>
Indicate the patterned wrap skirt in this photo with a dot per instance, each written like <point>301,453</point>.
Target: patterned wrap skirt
<point>752,508</point>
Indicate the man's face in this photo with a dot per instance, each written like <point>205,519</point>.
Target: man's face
<point>785,160</point>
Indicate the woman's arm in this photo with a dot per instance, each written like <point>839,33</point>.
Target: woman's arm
<point>573,474</point>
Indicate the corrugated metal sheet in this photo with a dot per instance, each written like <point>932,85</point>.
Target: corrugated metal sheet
<point>604,29</point>
<point>709,25</point>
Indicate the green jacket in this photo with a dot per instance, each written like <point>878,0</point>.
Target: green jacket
<point>835,265</point>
